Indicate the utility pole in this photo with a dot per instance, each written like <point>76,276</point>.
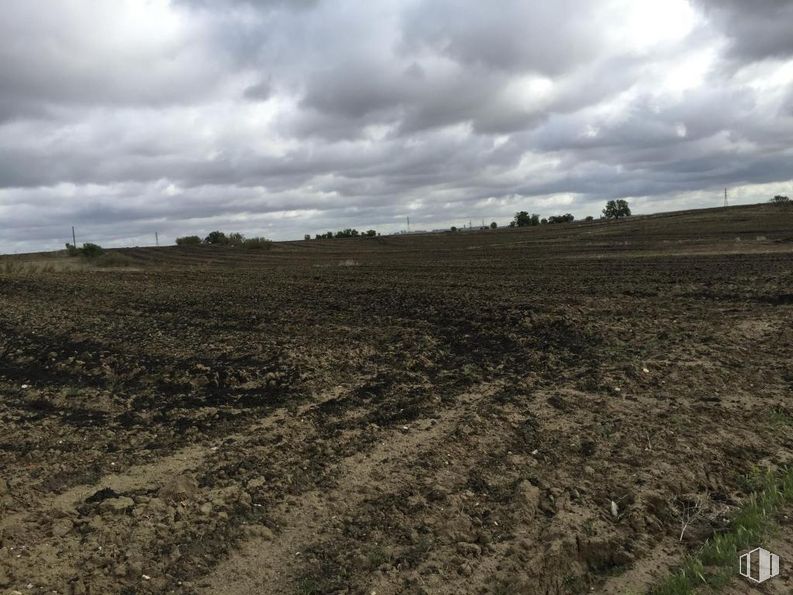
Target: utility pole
<point>725,197</point>
<point>408,224</point>
<point>74,239</point>
<point>156,239</point>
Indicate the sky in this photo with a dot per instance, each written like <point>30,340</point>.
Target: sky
<point>289,117</point>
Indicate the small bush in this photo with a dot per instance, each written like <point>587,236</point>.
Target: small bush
<point>566,218</point>
<point>88,250</point>
<point>235,239</point>
<point>188,241</point>
<point>257,244</point>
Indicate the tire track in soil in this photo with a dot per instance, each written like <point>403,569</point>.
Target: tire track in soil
<point>273,562</point>
<point>24,531</point>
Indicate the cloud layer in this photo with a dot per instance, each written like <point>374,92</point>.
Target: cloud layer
<point>285,117</point>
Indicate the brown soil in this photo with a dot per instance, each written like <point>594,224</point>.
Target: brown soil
<point>448,413</point>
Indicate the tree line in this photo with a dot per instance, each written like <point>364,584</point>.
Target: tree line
<point>614,209</point>
<point>219,238</point>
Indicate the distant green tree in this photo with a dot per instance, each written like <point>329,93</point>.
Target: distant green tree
<point>216,238</point>
<point>589,218</point>
<point>371,233</point>
<point>347,233</point>
<point>307,237</point>
<point>523,219</point>
<point>188,241</point>
<point>453,228</point>
<point>616,209</point>
<point>493,225</point>
<point>780,200</point>
<point>543,221</point>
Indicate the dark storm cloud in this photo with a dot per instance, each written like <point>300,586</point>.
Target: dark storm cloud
<point>285,117</point>
<point>756,29</point>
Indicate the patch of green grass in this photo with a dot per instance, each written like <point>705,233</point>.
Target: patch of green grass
<point>377,556</point>
<point>779,417</point>
<point>714,564</point>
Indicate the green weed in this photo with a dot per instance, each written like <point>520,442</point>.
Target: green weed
<point>714,564</point>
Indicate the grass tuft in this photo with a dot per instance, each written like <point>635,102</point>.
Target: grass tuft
<point>715,563</point>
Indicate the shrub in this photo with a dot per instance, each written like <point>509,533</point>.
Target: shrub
<point>235,239</point>
<point>566,218</point>
<point>780,200</point>
<point>90,250</point>
<point>493,225</point>
<point>307,237</point>
<point>589,218</point>
<point>188,241</point>
<point>257,244</point>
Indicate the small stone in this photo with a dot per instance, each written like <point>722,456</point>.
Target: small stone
<point>179,488</point>
<point>61,527</point>
<point>527,496</point>
<point>645,370</point>
<point>3,487</point>
<point>256,483</point>
<point>614,509</point>
<point>589,470</point>
<point>206,508</point>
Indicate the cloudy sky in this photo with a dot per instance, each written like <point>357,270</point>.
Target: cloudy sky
<point>285,117</point>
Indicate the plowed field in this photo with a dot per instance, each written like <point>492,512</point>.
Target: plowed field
<point>538,410</point>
